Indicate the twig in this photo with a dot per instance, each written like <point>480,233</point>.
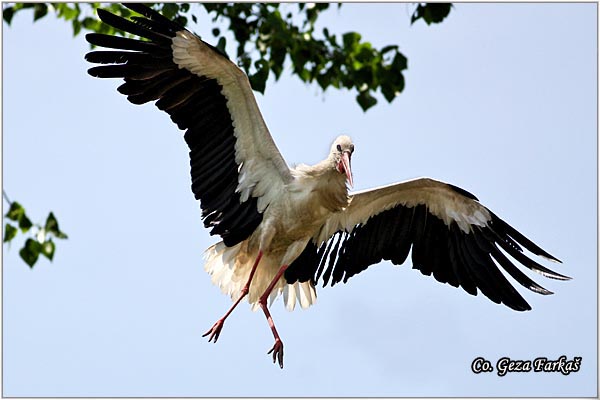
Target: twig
<point>6,197</point>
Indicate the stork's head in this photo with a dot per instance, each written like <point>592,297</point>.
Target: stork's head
<point>341,150</point>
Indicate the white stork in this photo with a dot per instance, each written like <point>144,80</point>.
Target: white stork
<point>283,229</point>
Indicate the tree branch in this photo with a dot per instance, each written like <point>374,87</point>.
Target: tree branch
<point>6,197</point>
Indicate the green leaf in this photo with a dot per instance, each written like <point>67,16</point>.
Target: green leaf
<point>126,13</point>
<point>323,80</point>
<point>51,223</point>
<point>436,12</point>
<point>9,233</point>
<point>304,75</point>
<point>221,45</point>
<point>30,252</point>
<point>67,12</point>
<point>365,76</point>
<point>278,53</point>
<point>181,20</point>
<point>431,12</point>
<point>76,27</point>
<point>258,80</point>
<point>51,226</point>
<point>7,14</point>
<point>169,10</point>
<point>16,211</point>
<point>389,92</point>
<point>90,23</point>
<point>389,48</point>
<point>416,15</point>
<point>47,249</point>
<point>350,40</point>
<point>25,223</point>
<point>39,11</point>
<point>400,62</point>
<point>365,100</point>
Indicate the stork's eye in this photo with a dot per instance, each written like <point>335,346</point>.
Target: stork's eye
<point>339,147</point>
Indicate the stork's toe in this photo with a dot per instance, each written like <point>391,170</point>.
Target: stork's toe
<point>277,351</point>
<point>215,331</point>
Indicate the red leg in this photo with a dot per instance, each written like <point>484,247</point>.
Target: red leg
<point>277,349</point>
<point>215,331</point>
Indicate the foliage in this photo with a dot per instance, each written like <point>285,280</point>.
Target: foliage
<point>268,34</point>
<point>432,13</point>
<point>41,237</point>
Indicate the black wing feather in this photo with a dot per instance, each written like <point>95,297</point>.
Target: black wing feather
<point>195,103</point>
<point>470,260</point>
<point>133,28</point>
<point>466,280</point>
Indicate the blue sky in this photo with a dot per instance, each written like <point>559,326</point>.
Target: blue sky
<point>500,99</point>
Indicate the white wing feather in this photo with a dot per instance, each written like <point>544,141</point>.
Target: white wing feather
<point>441,200</point>
<point>263,172</point>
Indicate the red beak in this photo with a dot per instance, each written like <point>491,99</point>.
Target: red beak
<point>344,167</point>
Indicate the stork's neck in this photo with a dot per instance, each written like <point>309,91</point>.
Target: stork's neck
<point>325,183</point>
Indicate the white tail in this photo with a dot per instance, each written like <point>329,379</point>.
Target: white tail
<point>229,268</point>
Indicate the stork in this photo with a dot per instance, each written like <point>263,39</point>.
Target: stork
<point>283,229</point>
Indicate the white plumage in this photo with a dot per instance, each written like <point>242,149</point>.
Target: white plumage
<point>229,268</point>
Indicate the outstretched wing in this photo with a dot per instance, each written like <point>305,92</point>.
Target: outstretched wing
<point>452,236</point>
<point>236,168</point>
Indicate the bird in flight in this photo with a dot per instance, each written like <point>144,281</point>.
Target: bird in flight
<point>284,229</point>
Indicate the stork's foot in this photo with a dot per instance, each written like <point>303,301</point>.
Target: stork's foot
<point>277,351</point>
<point>215,331</point>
